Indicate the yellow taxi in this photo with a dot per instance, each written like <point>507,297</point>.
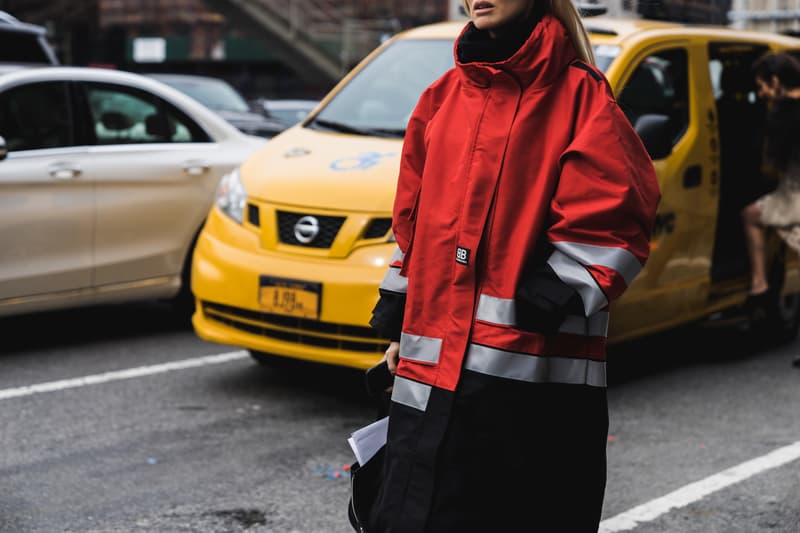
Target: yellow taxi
<point>292,253</point>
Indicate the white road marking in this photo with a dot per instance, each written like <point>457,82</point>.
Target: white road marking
<point>700,489</point>
<point>95,379</point>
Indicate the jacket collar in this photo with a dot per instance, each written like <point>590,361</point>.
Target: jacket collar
<point>537,63</point>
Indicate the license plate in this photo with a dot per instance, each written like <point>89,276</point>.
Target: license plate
<point>289,297</point>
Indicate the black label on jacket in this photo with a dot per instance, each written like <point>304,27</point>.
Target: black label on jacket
<point>462,255</point>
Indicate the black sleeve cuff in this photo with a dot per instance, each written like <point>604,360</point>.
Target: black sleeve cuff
<point>387,316</point>
<point>543,302</point>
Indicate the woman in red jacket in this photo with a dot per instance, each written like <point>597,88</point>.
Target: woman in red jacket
<point>524,205</point>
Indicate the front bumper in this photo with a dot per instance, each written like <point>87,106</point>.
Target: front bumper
<point>225,282</point>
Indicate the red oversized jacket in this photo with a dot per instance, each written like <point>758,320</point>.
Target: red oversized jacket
<point>518,179</point>
<point>524,205</point>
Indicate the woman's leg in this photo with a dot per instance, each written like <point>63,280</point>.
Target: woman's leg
<point>754,238</point>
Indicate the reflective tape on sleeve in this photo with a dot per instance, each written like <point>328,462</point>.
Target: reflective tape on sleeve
<point>411,393</point>
<point>496,310</point>
<point>394,282</point>
<point>502,311</point>
<point>419,348</point>
<point>397,256</point>
<point>574,274</point>
<point>534,368</point>
<point>618,259</point>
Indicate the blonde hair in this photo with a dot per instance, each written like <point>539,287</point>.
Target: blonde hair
<point>566,12</point>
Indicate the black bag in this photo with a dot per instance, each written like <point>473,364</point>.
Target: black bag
<point>365,483</point>
<point>366,479</point>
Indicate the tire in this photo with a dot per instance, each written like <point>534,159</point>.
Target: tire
<point>183,303</point>
<point>273,361</point>
<point>783,322</point>
<point>788,320</point>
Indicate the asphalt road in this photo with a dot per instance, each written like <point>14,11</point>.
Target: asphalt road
<point>229,446</point>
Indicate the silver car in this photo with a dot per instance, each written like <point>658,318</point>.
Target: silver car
<point>105,180</point>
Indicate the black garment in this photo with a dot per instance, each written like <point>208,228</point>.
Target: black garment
<point>387,315</point>
<point>543,454</point>
<point>479,46</point>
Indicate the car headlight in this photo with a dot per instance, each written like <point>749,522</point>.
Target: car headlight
<point>231,196</point>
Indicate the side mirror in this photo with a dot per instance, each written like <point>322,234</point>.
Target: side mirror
<point>3,148</point>
<point>654,132</point>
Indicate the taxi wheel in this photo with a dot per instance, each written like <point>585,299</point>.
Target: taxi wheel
<point>783,321</point>
<point>261,358</point>
<point>788,323</point>
<point>271,360</point>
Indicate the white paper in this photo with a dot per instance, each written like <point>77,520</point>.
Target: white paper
<point>366,441</point>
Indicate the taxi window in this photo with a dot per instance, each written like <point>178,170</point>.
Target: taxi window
<point>381,97</point>
<point>660,86</point>
<point>604,55</point>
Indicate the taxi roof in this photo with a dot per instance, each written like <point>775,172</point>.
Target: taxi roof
<point>612,30</point>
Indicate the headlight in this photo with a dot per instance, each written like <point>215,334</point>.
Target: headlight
<point>231,196</point>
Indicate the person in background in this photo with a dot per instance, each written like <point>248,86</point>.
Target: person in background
<point>777,76</point>
<point>524,206</point>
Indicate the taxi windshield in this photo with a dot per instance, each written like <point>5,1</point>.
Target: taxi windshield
<point>380,98</point>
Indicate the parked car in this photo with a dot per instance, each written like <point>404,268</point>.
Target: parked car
<point>295,274</point>
<point>288,110</point>
<point>24,43</point>
<point>105,180</point>
<point>221,97</point>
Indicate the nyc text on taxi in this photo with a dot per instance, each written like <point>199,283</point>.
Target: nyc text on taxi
<point>299,239</point>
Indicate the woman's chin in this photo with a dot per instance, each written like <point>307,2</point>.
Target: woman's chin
<point>485,23</point>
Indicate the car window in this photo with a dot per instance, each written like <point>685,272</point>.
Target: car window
<point>36,116</point>
<point>214,94</point>
<point>121,115</point>
<point>605,54</point>
<point>659,85</point>
<point>383,94</point>
<point>290,116</point>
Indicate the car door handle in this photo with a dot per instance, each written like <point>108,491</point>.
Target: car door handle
<point>64,172</point>
<point>195,167</point>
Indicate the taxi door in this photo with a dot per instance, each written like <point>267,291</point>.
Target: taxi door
<point>670,79</point>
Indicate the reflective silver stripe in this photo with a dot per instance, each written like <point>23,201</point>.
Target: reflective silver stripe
<point>619,259</point>
<point>398,255</point>
<point>394,282</point>
<point>502,311</point>
<point>419,348</point>
<point>534,368</point>
<point>411,393</point>
<point>574,274</point>
<point>594,326</point>
<point>496,310</point>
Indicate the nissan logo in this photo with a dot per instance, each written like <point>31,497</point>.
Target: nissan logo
<point>306,229</point>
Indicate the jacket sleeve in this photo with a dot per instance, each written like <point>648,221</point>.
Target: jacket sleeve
<point>602,211</point>
<point>387,316</point>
